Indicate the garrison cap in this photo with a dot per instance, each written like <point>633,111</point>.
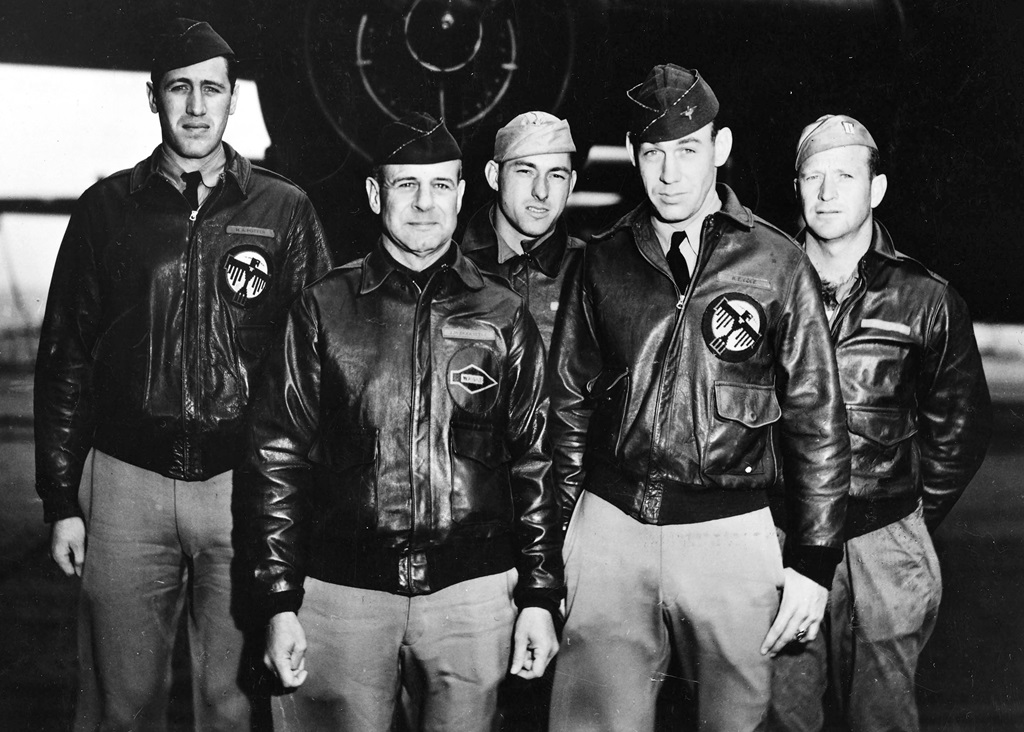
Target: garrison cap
<point>532,133</point>
<point>830,131</point>
<point>670,103</point>
<point>184,42</point>
<point>415,139</point>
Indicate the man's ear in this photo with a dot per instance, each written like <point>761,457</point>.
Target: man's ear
<point>879,185</point>
<point>491,170</point>
<point>460,191</point>
<point>373,194</point>
<point>723,146</point>
<point>234,99</point>
<point>572,181</point>
<point>630,150</point>
<point>151,93</point>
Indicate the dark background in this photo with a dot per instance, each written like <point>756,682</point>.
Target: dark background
<point>937,82</point>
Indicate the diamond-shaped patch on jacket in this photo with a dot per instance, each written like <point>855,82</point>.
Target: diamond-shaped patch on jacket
<point>472,379</point>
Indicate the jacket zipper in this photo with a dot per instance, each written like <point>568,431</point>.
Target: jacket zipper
<point>191,371</point>
<point>681,303</point>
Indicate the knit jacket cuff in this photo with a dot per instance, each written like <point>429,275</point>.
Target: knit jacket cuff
<point>286,601</point>
<point>817,563</point>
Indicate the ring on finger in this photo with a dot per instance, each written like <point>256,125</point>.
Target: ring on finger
<point>801,634</point>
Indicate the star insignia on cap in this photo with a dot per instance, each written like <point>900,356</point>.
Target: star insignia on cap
<point>689,112</point>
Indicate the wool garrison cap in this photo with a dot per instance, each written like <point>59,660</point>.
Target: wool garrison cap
<point>830,131</point>
<point>671,103</point>
<point>415,139</point>
<point>184,42</point>
<point>532,133</point>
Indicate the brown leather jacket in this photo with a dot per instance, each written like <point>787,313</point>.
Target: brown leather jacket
<point>664,403</point>
<point>917,403</point>
<point>396,445</point>
<point>537,275</point>
<point>156,323</point>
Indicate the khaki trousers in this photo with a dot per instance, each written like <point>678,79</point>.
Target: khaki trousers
<point>707,592</point>
<point>449,650</point>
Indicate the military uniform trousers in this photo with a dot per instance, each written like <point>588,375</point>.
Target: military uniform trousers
<point>882,610</point>
<point>638,593</point>
<point>154,546</point>
<point>449,651</point>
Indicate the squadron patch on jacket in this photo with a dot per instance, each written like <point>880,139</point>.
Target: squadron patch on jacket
<point>733,326</point>
<point>246,275</point>
<point>472,379</point>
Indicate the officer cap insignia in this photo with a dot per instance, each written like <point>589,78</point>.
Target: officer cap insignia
<point>831,131</point>
<point>670,103</point>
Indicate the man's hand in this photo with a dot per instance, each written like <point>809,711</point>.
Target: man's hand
<point>67,545</point>
<point>800,613</point>
<point>286,649</point>
<point>535,643</point>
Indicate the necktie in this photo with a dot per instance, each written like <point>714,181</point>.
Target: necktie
<point>192,181</point>
<point>676,261</point>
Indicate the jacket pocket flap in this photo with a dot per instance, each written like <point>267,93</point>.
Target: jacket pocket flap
<point>345,448</point>
<point>604,382</point>
<point>484,446</point>
<point>750,404</point>
<point>884,426</point>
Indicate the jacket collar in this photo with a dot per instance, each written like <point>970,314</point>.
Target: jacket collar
<point>237,170</point>
<point>377,267</point>
<point>481,237</point>
<point>641,215</point>
<point>881,242</point>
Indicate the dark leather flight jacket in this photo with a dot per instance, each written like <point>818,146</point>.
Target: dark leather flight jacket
<point>666,403</point>
<point>397,445</point>
<point>917,403</point>
<point>157,322</point>
<point>537,275</point>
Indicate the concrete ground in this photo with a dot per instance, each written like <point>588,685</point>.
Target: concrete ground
<point>971,677</point>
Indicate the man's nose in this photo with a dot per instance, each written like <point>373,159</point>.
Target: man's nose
<point>828,188</point>
<point>424,198</point>
<point>196,104</point>
<point>541,188</point>
<point>670,170</point>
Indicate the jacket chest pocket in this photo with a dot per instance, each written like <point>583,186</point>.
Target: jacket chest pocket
<point>481,490</point>
<point>348,462</point>
<point>739,433</point>
<point>880,441</point>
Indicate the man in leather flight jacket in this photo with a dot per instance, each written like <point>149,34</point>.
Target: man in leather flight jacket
<point>692,336</point>
<point>919,419</point>
<point>522,235</point>
<point>399,489</point>
<point>171,280</point>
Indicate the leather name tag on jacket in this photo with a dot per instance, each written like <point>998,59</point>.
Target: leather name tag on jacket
<point>251,231</point>
<point>885,325</point>
<point>744,280</point>
<point>461,333</point>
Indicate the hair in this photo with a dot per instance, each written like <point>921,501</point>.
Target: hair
<point>232,73</point>
<point>874,162</point>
